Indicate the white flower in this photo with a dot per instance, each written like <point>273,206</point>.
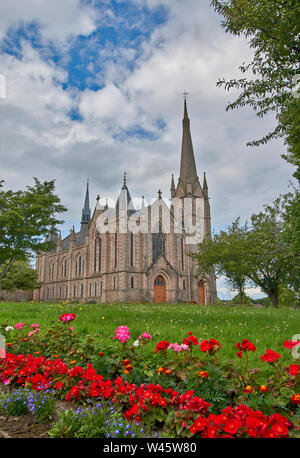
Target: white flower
<point>9,328</point>
<point>136,343</point>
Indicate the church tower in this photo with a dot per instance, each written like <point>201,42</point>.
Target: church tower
<point>195,209</point>
<point>188,183</point>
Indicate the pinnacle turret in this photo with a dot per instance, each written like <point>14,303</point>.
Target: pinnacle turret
<point>86,211</point>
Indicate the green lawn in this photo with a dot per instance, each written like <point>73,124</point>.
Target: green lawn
<point>266,328</point>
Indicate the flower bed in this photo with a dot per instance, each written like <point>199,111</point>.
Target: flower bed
<point>179,393</point>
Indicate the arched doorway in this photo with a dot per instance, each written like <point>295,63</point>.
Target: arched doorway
<point>201,292</point>
<point>159,289</point>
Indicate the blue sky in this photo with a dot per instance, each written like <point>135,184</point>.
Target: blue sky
<point>94,88</point>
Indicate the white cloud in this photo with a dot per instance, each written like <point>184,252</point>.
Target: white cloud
<point>59,19</point>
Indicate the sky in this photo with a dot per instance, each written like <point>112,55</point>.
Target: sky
<point>94,88</point>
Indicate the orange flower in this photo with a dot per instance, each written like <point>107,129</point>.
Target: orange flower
<point>8,344</point>
<point>159,370</point>
<point>202,374</point>
<point>249,389</point>
<point>73,361</point>
<point>101,353</point>
<point>263,388</point>
<point>295,399</point>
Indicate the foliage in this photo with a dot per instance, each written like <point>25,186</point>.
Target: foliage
<point>225,254</point>
<point>23,401</point>
<point>20,276</point>
<point>95,421</point>
<point>272,29</point>
<point>263,253</point>
<point>181,390</point>
<point>25,218</point>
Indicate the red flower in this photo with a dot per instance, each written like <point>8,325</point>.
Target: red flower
<point>290,343</point>
<point>162,346</point>
<point>232,425</point>
<point>211,346</point>
<point>59,386</point>
<point>245,345</point>
<point>200,423</point>
<point>270,356</point>
<point>294,369</point>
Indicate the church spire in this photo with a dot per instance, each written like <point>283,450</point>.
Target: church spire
<point>172,187</point>
<point>86,211</point>
<point>188,179</point>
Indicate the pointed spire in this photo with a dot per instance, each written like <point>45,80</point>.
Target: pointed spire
<point>143,203</point>
<point>124,201</point>
<point>59,244</point>
<point>205,187</point>
<point>173,191</point>
<point>86,211</point>
<point>188,180</point>
<point>205,182</point>
<point>98,206</point>
<point>72,238</point>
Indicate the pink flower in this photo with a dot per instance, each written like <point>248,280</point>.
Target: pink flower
<point>19,326</point>
<point>6,382</point>
<point>67,317</point>
<point>33,332</point>
<point>122,334</point>
<point>34,325</point>
<point>72,329</point>
<point>145,335</point>
<point>176,347</point>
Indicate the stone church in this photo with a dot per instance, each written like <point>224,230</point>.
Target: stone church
<point>135,255</point>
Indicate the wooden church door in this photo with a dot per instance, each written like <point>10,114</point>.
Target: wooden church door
<point>159,289</point>
<point>201,292</point>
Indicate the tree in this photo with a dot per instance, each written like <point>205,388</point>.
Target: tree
<point>262,252</point>
<point>224,254</point>
<point>273,28</point>
<point>271,260</point>
<point>20,276</point>
<point>26,218</point>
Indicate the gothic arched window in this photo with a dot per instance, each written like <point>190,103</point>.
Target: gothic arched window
<point>158,243</point>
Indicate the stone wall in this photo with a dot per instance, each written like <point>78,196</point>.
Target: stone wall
<point>17,296</point>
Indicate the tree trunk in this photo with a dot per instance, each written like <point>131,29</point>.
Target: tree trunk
<point>274,299</point>
<point>6,268</point>
<point>241,296</point>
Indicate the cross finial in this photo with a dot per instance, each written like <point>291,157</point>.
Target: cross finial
<point>185,94</point>
<point>159,192</point>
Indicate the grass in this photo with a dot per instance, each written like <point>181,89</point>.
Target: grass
<point>266,328</point>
